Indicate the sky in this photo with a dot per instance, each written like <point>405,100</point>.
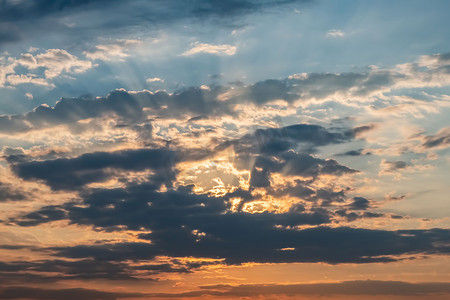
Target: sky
<point>239,149</point>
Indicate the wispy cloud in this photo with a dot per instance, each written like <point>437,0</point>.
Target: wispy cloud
<point>335,33</point>
<point>210,49</point>
<point>112,51</point>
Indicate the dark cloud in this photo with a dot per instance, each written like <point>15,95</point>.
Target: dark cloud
<point>236,244</point>
<point>44,215</point>
<point>134,108</point>
<point>297,189</point>
<point>263,152</point>
<point>393,166</point>
<point>442,138</point>
<point>120,104</point>
<point>351,216</point>
<point>359,203</point>
<point>329,196</point>
<point>18,17</point>
<point>8,193</point>
<point>309,166</point>
<point>361,129</point>
<point>369,214</point>
<point>19,10</point>
<point>273,150</point>
<point>292,164</point>
<point>347,288</point>
<point>321,85</point>
<point>185,224</point>
<point>42,271</point>
<point>112,16</point>
<point>81,269</point>
<point>303,190</point>
<point>126,107</point>
<point>142,206</point>
<point>300,137</point>
<point>397,164</point>
<point>23,292</point>
<point>8,33</point>
<point>358,152</point>
<point>72,173</point>
<point>12,151</point>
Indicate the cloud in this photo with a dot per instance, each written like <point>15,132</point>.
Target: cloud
<point>267,151</point>
<point>175,217</point>
<point>21,79</point>
<point>298,136</point>
<point>346,288</point>
<point>81,269</point>
<point>335,33</point>
<point>53,63</point>
<point>231,100</point>
<point>358,152</point>
<point>210,49</point>
<point>262,244</point>
<point>440,140</point>
<point>23,292</point>
<point>17,10</point>
<point>293,164</point>
<point>124,105</point>
<point>22,19</point>
<point>56,270</point>
<point>393,167</point>
<point>286,151</point>
<point>154,79</point>
<point>130,107</point>
<point>29,96</point>
<point>116,50</point>
<point>279,197</point>
<point>359,203</point>
<point>72,173</point>
<point>9,193</point>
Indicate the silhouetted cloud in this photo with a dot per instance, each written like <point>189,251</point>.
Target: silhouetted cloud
<point>52,270</point>
<point>183,224</point>
<point>347,288</point>
<point>358,152</point>
<point>277,140</point>
<point>136,107</point>
<point>228,239</point>
<point>8,193</point>
<point>359,203</point>
<point>441,139</point>
<point>24,292</point>
<point>72,173</point>
<point>18,17</point>
<point>290,163</point>
<point>393,166</point>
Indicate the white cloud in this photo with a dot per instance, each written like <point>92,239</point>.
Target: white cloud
<point>335,33</point>
<point>155,79</point>
<point>54,62</point>
<point>211,49</point>
<point>20,79</point>
<point>116,50</point>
